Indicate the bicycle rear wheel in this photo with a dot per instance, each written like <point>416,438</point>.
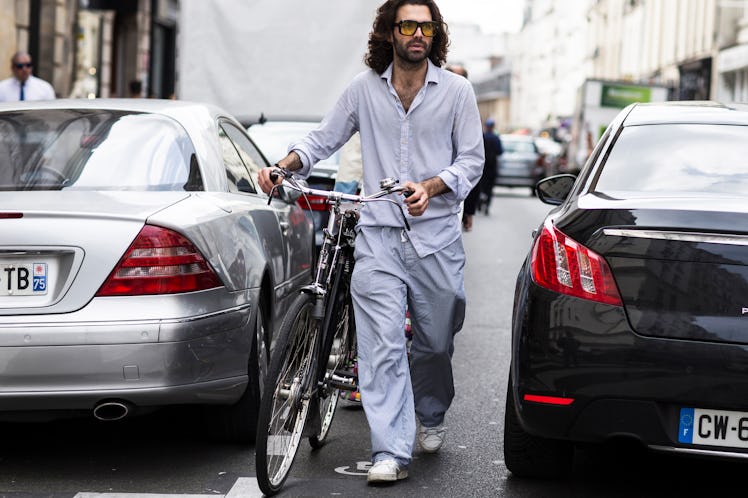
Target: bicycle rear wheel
<point>287,395</point>
<point>340,356</point>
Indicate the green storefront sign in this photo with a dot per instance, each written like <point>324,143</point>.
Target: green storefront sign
<point>620,96</point>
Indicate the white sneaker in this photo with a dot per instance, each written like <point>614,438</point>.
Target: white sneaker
<point>386,471</point>
<point>431,438</point>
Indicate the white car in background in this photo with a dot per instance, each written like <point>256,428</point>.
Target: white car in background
<point>273,138</point>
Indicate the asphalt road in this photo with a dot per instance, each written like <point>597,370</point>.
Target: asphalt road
<point>167,453</point>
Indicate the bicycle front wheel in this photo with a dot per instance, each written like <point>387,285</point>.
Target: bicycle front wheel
<point>288,391</point>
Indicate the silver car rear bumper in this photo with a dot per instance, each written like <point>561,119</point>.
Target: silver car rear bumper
<point>69,364</point>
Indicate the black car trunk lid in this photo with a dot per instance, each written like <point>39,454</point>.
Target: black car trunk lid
<point>682,274</point>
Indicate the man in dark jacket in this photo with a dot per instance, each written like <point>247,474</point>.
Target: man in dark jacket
<point>493,149</point>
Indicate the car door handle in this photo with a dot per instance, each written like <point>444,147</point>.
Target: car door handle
<point>284,227</point>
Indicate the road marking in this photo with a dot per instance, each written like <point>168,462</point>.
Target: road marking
<point>244,487</point>
<point>139,495</point>
<point>361,467</point>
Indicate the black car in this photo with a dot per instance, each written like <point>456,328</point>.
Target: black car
<point>631,310</point>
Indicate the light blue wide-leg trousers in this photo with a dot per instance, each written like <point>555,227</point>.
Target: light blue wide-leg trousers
<point>388,274</point>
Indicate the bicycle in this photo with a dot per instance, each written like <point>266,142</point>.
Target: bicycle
<point>314,354</point>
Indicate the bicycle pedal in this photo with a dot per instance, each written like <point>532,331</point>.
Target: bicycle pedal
<point>346,373</point>
<point>343,382</point>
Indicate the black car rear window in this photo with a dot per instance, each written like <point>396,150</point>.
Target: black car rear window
<point>678,158</point>
<point>93,149</point>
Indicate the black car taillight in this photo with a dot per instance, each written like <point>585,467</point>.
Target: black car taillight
<point>561,264</point>
<point>159,261</point>
<point>548,400</point>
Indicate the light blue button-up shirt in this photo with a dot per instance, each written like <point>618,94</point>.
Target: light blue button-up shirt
<point>440,135</point>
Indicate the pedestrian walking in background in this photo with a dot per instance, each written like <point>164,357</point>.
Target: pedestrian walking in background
<point>457,69</point>
<point>492,149</point>
<point>136,89</point>
<point>436,151</point>
<point>23,85</point>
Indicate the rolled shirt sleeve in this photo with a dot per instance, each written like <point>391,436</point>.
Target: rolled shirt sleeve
<point>467,137</point>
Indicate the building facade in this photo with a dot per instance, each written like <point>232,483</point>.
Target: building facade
<point>94,48</point>
<point>44,29</point>
<point>696,48</point>
<point>550,58</point>
<point>731,76</point>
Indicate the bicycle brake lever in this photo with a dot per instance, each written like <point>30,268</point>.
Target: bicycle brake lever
<point>271,193</point>
<point>276,173</point>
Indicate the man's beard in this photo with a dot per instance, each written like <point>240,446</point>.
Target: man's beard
<point>401,49</point>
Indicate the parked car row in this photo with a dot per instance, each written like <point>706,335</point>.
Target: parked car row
<point>630,312</point>
<point>140,266</point>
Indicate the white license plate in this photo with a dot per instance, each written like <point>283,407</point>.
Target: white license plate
<point>713,427</point>
<point>23,279</point>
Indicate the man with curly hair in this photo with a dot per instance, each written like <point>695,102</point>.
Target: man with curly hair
<point>418,123</point>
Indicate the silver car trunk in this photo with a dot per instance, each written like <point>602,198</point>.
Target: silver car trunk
<point>58,247</point>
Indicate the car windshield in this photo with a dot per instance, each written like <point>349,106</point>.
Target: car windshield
<point>273,139</point>
<point>680,158</point>
<point>94,149</point>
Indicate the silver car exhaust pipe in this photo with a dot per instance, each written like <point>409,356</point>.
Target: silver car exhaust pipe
<point>111,410</point>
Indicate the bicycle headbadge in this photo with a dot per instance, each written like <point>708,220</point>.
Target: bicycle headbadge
<point>387,183</point>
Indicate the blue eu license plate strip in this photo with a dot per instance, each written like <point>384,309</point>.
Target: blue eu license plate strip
<point>685,431</point>
<point>713,427</point>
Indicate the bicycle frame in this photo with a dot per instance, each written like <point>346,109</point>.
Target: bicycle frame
<point>335,263</point>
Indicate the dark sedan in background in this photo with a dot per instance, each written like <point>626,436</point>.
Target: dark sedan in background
<point>631,310</point>
<point>140,265</point>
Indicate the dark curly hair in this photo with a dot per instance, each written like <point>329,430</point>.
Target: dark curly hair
<point>380,49</point>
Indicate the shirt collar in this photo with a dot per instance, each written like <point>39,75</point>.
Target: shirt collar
<point>432,73</point>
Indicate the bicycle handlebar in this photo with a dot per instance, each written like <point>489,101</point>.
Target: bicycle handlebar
<point>388,186</point>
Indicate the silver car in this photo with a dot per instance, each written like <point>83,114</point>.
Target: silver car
<point>522,164</point>
<point>140,265</point>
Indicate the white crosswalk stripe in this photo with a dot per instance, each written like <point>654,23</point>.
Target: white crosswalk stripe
<point>244,487</point>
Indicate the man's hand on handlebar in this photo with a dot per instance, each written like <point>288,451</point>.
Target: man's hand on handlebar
<point>268,178</point>
<point>416,198</point>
